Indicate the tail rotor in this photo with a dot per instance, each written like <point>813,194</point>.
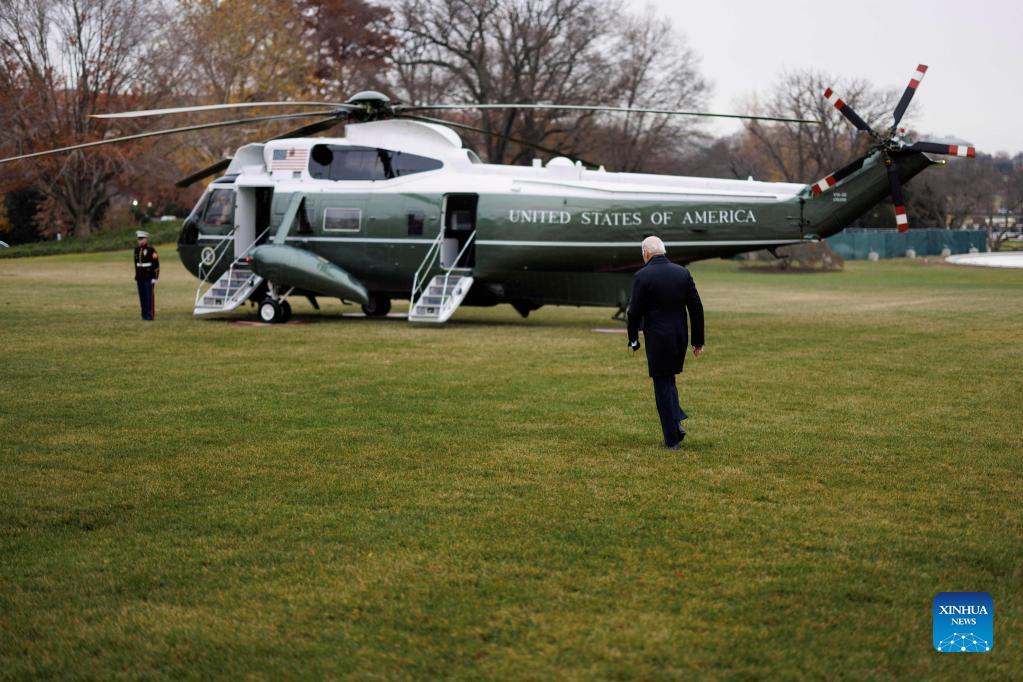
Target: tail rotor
<point>888,144</point>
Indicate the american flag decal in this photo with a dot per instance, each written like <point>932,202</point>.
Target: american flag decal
<point>289,159</point>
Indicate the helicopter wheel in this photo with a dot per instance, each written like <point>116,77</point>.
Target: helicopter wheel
<point>285,311</point>
<point>377,306</point>
<point>270,311</point>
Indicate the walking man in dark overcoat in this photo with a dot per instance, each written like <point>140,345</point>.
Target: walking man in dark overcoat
<point>662,294</point>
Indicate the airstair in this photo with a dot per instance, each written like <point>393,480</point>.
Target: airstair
<point>233,287</point>
<point>441,297</point>
<point>437,300</point>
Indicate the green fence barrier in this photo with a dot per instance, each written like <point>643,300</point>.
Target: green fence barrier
<point>856,243</point>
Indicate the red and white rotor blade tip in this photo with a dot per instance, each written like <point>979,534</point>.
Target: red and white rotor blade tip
<point>907,95</point>
<point>846,111</point>
<point>947,149</point>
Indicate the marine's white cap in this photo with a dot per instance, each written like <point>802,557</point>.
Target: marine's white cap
<point>139,234</point>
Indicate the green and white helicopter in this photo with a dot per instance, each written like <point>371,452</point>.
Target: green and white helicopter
<point>398,209</point>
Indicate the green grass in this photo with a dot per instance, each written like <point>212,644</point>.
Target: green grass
<point>488,499</point>
<point>108,240</point>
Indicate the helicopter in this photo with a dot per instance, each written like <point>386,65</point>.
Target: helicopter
<point>397,208</point>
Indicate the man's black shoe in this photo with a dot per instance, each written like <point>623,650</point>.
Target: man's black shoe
<point>676,446</point>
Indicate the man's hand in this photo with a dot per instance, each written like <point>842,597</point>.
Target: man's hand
<point>154,282</point>
<point>634,345</point>
<point>697,350</point>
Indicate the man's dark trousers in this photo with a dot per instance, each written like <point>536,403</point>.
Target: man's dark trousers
<point>147,298</point>
<point>668,408</point>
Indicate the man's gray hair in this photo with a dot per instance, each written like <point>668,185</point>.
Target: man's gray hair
<point>653,246</point>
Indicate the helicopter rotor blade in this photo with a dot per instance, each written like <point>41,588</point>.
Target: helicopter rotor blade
<point>587,107</point>
<point>171,131</point>
<point>530,145</point>
<point>204,173</point>
<point>215,168</point>
<point>829,181</point>
<point>947,149</point>
<point>219,107</point>
<point>895,186</point>
<point>907,96</point>
<point>848,112</point>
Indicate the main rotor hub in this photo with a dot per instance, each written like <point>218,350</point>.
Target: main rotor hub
<point>375,106</point>
<point>370,98</point>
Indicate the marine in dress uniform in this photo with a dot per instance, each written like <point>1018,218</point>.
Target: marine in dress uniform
<point>147,271</point>
<point>662,294</point>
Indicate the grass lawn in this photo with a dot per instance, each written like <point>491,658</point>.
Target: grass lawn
<point>488,499</point>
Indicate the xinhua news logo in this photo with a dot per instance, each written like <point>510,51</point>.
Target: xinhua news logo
<point>964,622</point>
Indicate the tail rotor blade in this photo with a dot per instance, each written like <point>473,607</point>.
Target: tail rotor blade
<point>907,96</point>
<point>947,149</point>
<point>847,111</point>
<point>829,181</point>
<point>895,184</point>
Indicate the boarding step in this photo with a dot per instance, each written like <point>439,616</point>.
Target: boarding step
<point>440,298</point>
<point>232,289</point>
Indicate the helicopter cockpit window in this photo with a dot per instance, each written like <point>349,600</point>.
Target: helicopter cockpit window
<point>219,206</point>
<point>339,162</point>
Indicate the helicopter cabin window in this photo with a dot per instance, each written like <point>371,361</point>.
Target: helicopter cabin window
<point>219,207</point>
<point>416,222</point>
<point>341,162</point>
<point>342,219</point>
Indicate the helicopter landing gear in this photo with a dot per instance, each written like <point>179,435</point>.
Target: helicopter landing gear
<point>270,311</point>
<point>275,309</point>
<point>377,306</point>
<point>274,312</point>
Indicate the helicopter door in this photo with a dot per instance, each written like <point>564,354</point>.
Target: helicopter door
<point>459,225</point>
<point>251,216</point>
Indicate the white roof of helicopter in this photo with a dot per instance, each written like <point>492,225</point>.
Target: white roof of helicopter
<point>254,166</point>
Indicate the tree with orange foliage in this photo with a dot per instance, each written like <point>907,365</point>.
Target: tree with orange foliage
<point>63,61</point>
<point>251,50</point>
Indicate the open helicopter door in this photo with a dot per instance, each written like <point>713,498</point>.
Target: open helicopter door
<point>251,217</point>
<point>459,227</point>
<point>251,227</point>
<point>438,300</point>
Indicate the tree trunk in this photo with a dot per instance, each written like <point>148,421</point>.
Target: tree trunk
<point>82,226</point>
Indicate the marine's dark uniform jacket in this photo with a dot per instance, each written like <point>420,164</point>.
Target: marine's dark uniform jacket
<point>662,292</point>
<point>147,263</point>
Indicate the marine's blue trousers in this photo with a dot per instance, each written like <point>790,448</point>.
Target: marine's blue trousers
<point>147,298</point>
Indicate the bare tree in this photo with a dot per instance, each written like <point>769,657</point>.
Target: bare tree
<point>486,51</point>
<point>654,69</point>
<point>548,51</point>
<point>800,153</point>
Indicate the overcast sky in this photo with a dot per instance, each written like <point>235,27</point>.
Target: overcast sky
<point>974,50</point>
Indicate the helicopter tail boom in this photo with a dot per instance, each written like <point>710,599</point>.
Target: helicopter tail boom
<point>854,189</point>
